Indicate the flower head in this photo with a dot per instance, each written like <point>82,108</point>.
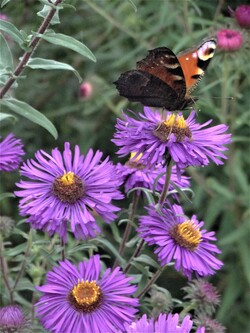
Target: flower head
<point>203,294</point>
<point>242,16</point>
<point>135,174</point>
<point>12,319</point>
<point>180,239</point>
<point>154,135</point>
<point>80,299</point>
<point>62,188</point>
<point>229,40</point>
<point>4,17</point>
<point>11,152</point>
<point>211,325</point>
<point>6,225</point>
<point>163,324</point>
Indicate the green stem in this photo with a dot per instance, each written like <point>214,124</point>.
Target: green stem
<point>167,180</point>
<point>132,211</point>
<point>187,309</point>
<point>24,262</point>
<point>224,91</point>
<point>151,282</point>
<point>4,270</point>
<point>135,254</point>
<point>32,46</point>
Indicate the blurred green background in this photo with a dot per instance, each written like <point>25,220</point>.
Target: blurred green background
<point>120,34</point>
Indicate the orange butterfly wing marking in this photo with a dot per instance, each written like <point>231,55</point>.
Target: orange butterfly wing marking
<point>194,62</point>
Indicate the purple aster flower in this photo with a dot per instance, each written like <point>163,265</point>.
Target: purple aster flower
<point>164,324</point>
<point>79,299</point>
<point>11,150</point>
<point>157,134</point>
<point>62,188</point>
<point>180,239</point>
<point>203,294</point>
<point>12,319</point>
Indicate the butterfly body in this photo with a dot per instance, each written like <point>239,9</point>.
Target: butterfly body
<point>163,79</point>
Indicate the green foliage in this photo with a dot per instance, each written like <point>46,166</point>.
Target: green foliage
<point>119,33</point>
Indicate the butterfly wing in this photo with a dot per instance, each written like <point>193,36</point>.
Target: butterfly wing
<point>163,63</point>
<point>141,86</point>
<point>195,61</point>
<point>158,81</point>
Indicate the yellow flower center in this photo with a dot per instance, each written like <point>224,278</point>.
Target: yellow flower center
<point>134,163</point>
<point>67,178</point>
<point>86,296</point>
<point>174,124</point>
<point>68,187</point>
<point>187,235</point>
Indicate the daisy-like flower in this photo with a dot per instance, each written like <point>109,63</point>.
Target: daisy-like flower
<point>136,174</point>
<point>12,319</point>
<point>203,294</point>
<point>63,189</point>
<point>11,152</point>
<point>229,40</point>
<point>164,324</point>
<point>80,300</point>
<point>155,134</point>
<point>180,239</point>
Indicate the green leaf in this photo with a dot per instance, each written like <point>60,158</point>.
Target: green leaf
<point>44,12</point>
<point>30,113</point>
<point>107,245</point>
<point>146,260</point>
<point>25,284</point>
<point>133,5</point>
<point>4,3</point>
<point>69,42</point>
<point>48,64</point>
<point>12,31</point>
<point>4,116</point>
<point>6,195</point>
<point>6,60</point>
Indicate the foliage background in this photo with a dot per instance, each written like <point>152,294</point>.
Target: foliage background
<point>119,35</point>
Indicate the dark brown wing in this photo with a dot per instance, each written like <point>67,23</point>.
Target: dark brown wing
<point>163,64</point>
<point>141,86</point>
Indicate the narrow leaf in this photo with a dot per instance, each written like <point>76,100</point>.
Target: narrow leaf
<point>4,116</point>
<point>6,60</point>
<point>6,195</point>
<point>12,31</point>
<point>69,42</point>
<point>48,64</point>
<point>30,113</point>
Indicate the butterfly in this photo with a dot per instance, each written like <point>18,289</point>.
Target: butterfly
<point>166,80</point>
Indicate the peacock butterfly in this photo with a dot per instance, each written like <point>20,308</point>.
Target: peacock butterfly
<point>164,79</point>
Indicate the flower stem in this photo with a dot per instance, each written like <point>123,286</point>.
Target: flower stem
<point>4,270</point>
<point>167,180</point>
<point>135,254</point>
<point>151,282</point>
<point>131,215</point>
<point>32,46</point>
<point>63,250</point>
<point>187,309</point>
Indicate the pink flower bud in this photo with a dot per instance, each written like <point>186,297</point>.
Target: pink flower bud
<point>86,90</point>
<point>242,16</point>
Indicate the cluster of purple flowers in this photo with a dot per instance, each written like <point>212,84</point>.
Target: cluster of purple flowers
<point>67,191</point>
